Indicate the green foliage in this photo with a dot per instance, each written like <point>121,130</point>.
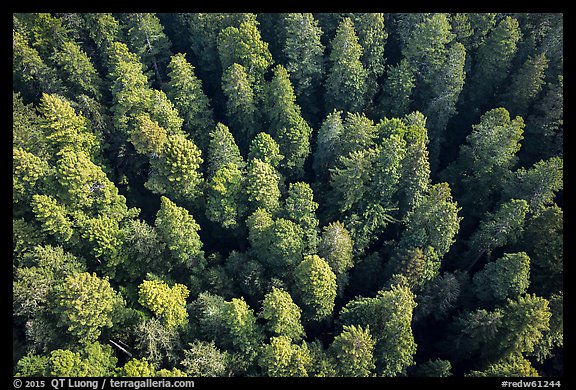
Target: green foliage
<point>301,209</point>
<point>397,90</point>
<point>53,217</point>
<point>85,304</point>
<point>543,241</point>
<point>28,172</point>
<point>225,197</point>
<point>30,74</point>
<point>266,149</point>
<point>145,37</point>
<point>64,128</point>
<point>389,316</point>
<point>240,101</point>
<point>428,147</point>
<point>157,341</point>
<point>282,358</point>
<point>137,368</point>
<point>494,59</point>
<point>437,368</point>
<point>485,161</point>
<point>497,229</point>
<point>537,185</point>
<point>243,45</point>
<point>511,367</point>
<point>76,69</point>
<point>167,303</point>
<point>353,349</point>
<point>179,231</point>
<point>203,359</point>
<point>346,80</point>
<point>282,315</point>
<point>527,83</point>
<point>507,277</point>
<point>262,186</point>
<point>328,144</point>
<point>287,126</point>
<point>304,57</point>
<point>148,137</point>
<point>315,288</point>
<point>336,248</point>
<point>176,173</point>
<point>222,150</point>
<point>185,91</point>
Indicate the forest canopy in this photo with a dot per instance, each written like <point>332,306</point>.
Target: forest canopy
<point>288,194</point>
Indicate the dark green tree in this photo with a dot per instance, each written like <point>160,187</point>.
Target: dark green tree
<point>506,277</point>
<point>346,80</point>
<point>185,91</point>
<point>287,125</point>
<point>145,37</point>
<point>304,58</point>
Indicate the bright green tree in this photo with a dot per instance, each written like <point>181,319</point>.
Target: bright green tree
<point>494,60</point>
<point>167,303</point>
<point>336,248</point>
<point>537,185</point>
<point>148,137</point>
<point>544,243</point>
<point>85,304</point>
<point>282,358</point>
<point>510,367</point>
<point>266,149</point>
<point>222,150</point>
<point>526,84</point>
<point>438,232</point>
<point>353,350</point>
<point>176,172</point>
<point>262,186</point>
<point>315,288</point>
<point>389,316</point>
<point>282,315</point>
<point>179,231</point>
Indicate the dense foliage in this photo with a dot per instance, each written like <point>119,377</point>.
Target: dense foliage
<point>288,194</point>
